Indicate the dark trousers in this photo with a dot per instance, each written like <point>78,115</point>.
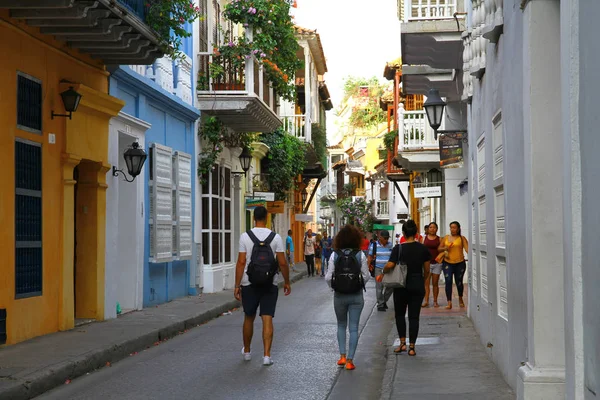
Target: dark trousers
<point>310,263</point>
<point>403,299</point>
<point>458,271</point>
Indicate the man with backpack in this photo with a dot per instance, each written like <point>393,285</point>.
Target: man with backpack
<point>379,254</point>
<point>260,258</point>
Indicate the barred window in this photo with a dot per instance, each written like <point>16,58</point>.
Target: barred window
<point>29,103</point>
<point>28,219</point>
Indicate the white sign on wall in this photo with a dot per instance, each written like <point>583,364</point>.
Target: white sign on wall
<point>432,191</point>
<point>268,196</point>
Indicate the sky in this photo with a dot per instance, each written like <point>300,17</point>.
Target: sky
<point>358,38</point>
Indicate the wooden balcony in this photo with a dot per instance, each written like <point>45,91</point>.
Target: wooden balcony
<point>241,97</point>
<point>112,31</point>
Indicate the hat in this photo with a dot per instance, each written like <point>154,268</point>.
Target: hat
<point>384,234</point>
<point>397,235</point>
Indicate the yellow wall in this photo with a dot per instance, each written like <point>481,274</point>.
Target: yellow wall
<point>85,137</point>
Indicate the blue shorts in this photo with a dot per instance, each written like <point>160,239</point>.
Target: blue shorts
<point>263,296</point>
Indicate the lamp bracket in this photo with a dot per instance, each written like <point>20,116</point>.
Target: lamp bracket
<point>115,172</point>
<point>235,173</point>
<point>69,115</point>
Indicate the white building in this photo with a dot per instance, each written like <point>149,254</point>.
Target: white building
<point>528,77</point>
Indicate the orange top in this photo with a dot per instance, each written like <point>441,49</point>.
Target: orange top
<point>455,249</point>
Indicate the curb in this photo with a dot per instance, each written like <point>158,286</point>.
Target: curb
<point>44,380</point>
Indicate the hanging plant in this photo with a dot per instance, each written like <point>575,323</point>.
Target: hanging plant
<point>390,139</point>
<point>285,161</point>
<point>168,18</point>
<point>358,212</point>
<point>211,133</point>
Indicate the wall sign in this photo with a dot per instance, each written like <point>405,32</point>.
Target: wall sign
<point>432,191</point>
<point>451,150</point>
<point>269,196</point>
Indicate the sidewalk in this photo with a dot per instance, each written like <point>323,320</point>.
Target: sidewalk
<point>31,368</point>
<point>451,362</point>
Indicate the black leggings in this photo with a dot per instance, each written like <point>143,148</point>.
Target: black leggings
<point>310,264</point>
<point>458,270</point>
<point>404,299</point>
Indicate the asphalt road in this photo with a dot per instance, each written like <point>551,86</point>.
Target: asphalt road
<point>205,362</point>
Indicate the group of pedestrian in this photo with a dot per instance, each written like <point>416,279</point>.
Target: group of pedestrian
<point>347,266</point>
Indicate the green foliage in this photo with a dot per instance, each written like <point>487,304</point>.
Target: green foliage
<point>358,212</point>
<point>214,136</point>
<point>274,43</point>
<point>319,140</point>
<point>167,18</point>
<point>389,139</point>
<point>286,160</point>
<point>366,111</point>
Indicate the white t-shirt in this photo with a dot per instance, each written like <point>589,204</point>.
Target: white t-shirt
<point>246,246</point>
<point>309,245</point>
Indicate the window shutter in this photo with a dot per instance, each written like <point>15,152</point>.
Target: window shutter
<point>182,171</point>
<point>161,205</point>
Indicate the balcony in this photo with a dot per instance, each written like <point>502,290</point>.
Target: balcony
<point>432,45</point>
<point>418,150</point>
<point>382,209</point>
<point>295,125</point>
<point>241,97</point>
<point>114,32</point>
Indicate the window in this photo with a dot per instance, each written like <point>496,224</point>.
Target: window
<point>502,289</point>
<point>498,146</point>
<point>29,103</point>
<point>203,23</point>
<point>500,227</point>
<point>216,216</point>
<point>216,23</point>
<point>481,165</point>
<point>484,275</point>
<point>28,219</point>
<point>335,158</point>
<point>482,222</point>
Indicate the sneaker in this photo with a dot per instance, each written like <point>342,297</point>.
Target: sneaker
<point>267,360</point>
<point>385,306</point>
<point>381,308</point>
<point>247,356</point>
<point>350,366</point>
<point>342,361</point>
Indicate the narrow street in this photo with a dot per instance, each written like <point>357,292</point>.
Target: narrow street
<point>206,362</point>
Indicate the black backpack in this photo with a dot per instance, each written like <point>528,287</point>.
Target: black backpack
<point>263,265</point>
<point>347,277</point>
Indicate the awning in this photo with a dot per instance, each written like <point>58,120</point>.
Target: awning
<point>355,167</point>
<point>381,227</point>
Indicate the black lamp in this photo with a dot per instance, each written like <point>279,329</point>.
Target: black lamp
<point>70,99</point>
<point>245,160</point>
<point>434,108</point>
<point>304,195</point>
<point>134,159</point>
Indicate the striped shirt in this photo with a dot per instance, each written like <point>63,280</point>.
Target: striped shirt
<point>383,253</point>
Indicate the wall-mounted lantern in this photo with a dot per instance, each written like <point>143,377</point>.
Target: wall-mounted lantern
<point>134,159</point>
<point>245,160</point>
<point>70,99</point>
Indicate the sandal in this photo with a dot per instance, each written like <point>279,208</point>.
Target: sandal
<point>449,306</point>
<point>424,305</point>
<point>461,303</point>
<point>411,350</point>
<point>436,305</point>
<point>400,348</point>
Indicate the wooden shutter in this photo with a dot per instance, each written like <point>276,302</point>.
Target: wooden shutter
<point>182,171</point>
<point>161,204</point>
<point>203,22</point>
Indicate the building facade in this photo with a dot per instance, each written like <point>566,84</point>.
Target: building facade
<point>54,191</point>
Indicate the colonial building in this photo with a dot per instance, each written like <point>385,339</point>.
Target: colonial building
<point>57,111</point>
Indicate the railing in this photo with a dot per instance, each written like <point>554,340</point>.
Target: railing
<point>416,10</point>
<point>238,78</point>
<point>295,125</point>
<point>382,209</point>
<point>417,132</point>
<point>138,7</point>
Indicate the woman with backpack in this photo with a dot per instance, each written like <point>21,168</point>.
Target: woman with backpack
<point>346,275</point>
<point>416,258</point>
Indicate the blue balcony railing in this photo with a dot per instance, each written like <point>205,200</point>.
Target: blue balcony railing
<point>138,7</point>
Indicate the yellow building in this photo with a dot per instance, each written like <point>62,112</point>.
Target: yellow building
<point>53,187</point>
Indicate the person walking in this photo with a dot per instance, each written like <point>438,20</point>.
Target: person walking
<point>432,241</point>
<point>289,250</point>
<point>454,246</point>
<point>318,265</point>
<point>309,252</point>
<point>379,254</point>
<point>253,287</point>
<point>327,249</point>
<point>416,257</point>
<point>347,274</point>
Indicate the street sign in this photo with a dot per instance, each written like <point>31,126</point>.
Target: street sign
<point>432,191</point>
<point>275,207</point>
<point>269,196</point>
<point>303,217</point>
